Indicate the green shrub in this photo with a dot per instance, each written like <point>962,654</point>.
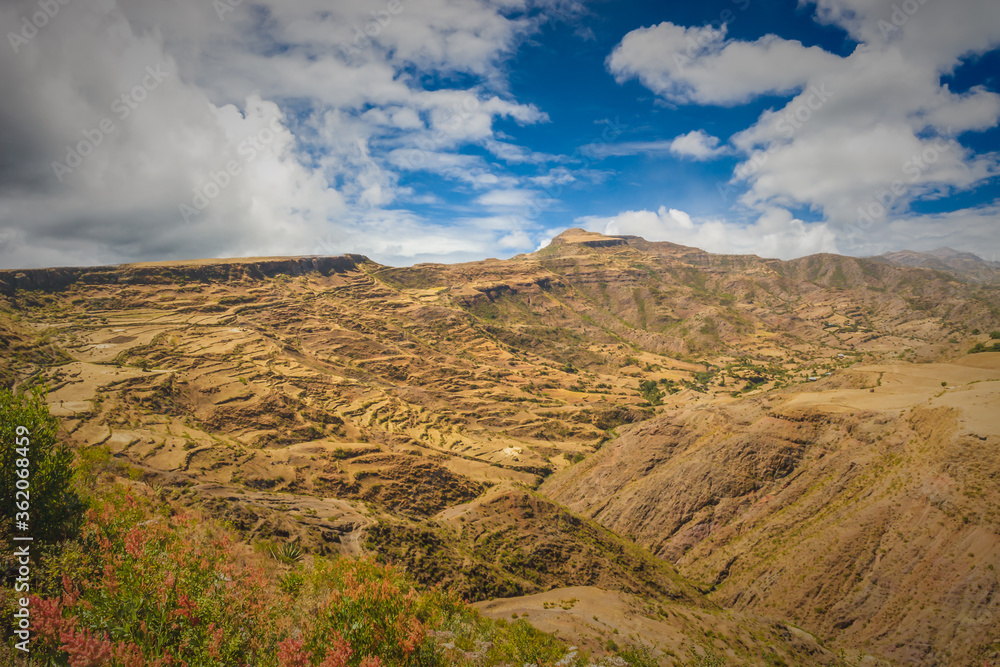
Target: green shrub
<point>140,585</point>
<point>288,553</point>
<point>649,391</point>
<point>96,462</point>
<point>144,586</point>
<point>29,434</point>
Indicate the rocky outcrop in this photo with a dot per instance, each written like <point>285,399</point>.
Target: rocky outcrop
<point>209,271</point>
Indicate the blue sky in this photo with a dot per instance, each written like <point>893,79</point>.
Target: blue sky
<point>453,130</point>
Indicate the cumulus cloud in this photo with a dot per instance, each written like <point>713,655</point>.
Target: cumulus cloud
<point>861,137</point>
<point>269,128</point>
<point>700,65</point>
<point>776,233</point>
<point>697,145</point>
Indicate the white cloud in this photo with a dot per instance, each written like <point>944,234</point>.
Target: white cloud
<point>469,169</point>
<point>697,145</point>
<point>971,230</point>
<point>554,179</point>
<point>776,233</point>
<point>504,199</point>
<point>701,65</point>
<point>514,154</point>
<point>863,136</point>
<point>879,125</point>
<point>601,150</point>
<point>339,114</point>
<point>935,35</point>
<point>399,238</point>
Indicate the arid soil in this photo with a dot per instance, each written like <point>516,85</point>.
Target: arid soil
<point>871,518</point>
<point>803,453</point>
<point>592,618</point>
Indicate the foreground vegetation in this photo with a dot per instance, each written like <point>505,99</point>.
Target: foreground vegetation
<point>143,583</point>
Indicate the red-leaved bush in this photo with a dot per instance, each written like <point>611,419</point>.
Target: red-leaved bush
<point>145,586</point>
<point>142,587</point>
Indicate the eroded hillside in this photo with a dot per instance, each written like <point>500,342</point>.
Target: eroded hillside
<point>412,411</point>
<point>866,513</point>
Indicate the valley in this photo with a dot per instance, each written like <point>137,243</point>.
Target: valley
<point>727,459</point>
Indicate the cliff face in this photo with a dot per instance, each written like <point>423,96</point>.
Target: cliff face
<point>165,273</point>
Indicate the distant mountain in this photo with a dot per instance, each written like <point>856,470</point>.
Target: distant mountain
<point>964,265</point>
<point>774,461</point>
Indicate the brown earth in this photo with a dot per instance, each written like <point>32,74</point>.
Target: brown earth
<point>870,518</point>
<point>592,619</point>
<point>411,412</point>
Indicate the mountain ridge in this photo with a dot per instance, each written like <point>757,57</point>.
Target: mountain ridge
<point>416,414</point>
<point>965,265</point>
<point>294,265</point>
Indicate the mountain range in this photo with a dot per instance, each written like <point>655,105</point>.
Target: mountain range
<point>725,458</point>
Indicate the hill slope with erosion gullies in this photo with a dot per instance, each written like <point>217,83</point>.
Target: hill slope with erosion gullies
<point>413,412</point>
<point>865,510</point>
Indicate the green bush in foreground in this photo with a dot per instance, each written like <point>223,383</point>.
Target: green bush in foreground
<point>131,582</point>
<point>144,586</point>
<point>28,435</point>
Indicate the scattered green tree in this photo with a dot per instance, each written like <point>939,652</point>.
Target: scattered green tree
<point>29,441</point>
<point>651,392</point>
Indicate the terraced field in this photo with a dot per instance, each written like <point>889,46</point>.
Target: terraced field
<point>595,415</point>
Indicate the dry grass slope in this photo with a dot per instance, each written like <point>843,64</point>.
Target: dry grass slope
<point>718,410</point>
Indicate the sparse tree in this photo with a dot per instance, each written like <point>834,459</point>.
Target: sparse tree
<point>29,435</point>
<point>651,392</point>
